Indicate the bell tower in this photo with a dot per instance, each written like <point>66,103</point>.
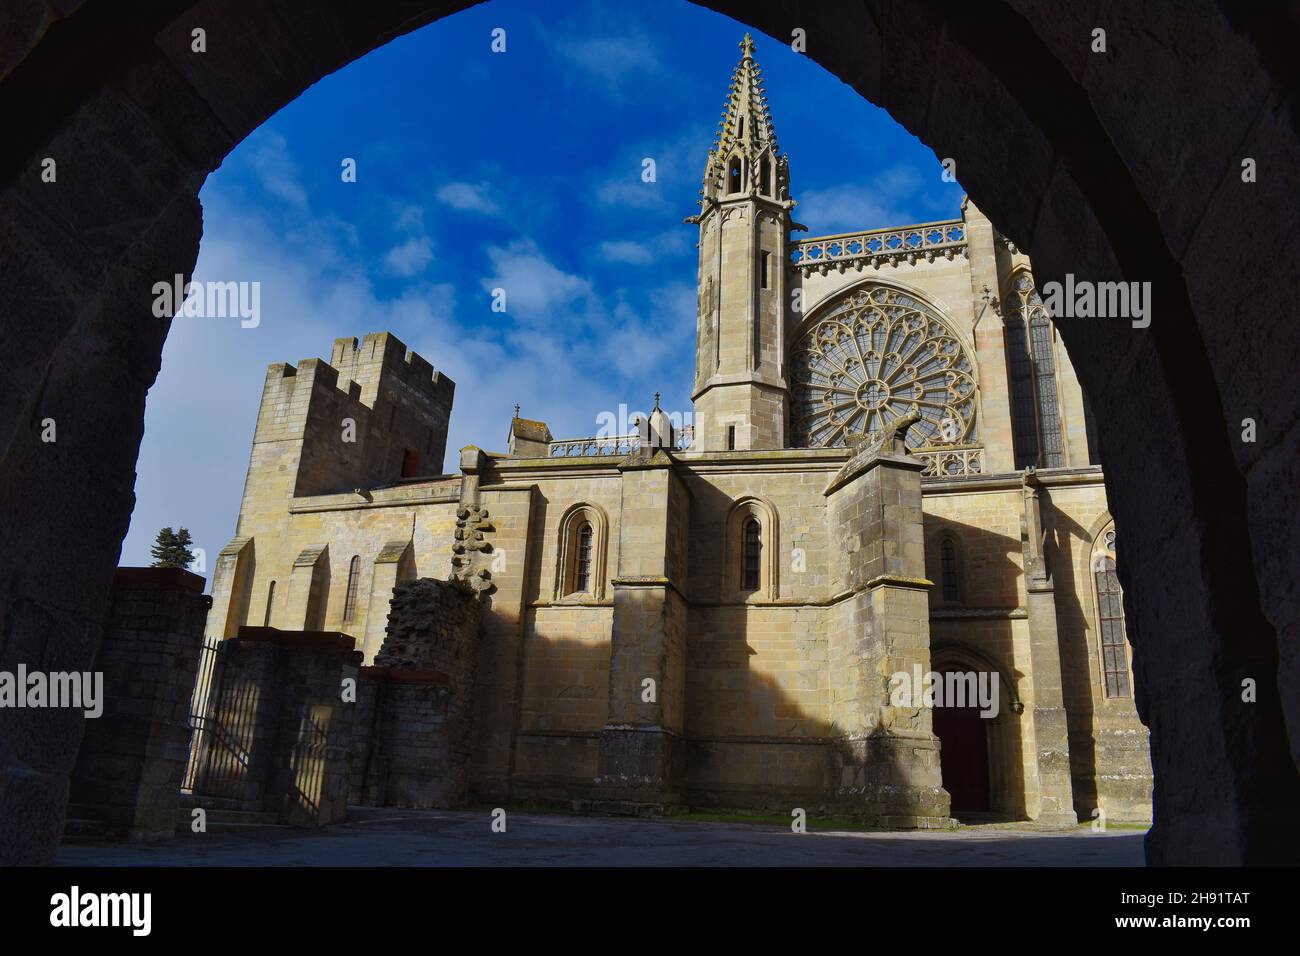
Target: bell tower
<point>741,393</point>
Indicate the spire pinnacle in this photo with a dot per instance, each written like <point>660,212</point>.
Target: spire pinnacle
<point>746,134</point>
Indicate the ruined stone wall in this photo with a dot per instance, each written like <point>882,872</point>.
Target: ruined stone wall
<point>412,734</point>
<point>404,751</point>
<point>433,625</point>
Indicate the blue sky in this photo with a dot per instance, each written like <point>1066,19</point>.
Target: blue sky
<point>477,170</point>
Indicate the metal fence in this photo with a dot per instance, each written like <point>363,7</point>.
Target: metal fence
<point>218,757</point>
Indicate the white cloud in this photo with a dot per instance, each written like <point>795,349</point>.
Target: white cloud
<point>469,197</point>
<point>535,288</point>
<point>410,258</point>
<point>894,197</point>
<point>409,217</point>
<point>633,253</point>
<point>678,163</point>
<point>644,252</point>
<point>275,170</point>
<point>612,60</point>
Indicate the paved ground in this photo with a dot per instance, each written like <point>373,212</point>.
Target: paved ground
<point>460,838</point>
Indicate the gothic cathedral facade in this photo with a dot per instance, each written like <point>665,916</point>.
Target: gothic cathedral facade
<point>891,472</point>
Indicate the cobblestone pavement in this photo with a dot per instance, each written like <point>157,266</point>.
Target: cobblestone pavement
<point>464,838</point>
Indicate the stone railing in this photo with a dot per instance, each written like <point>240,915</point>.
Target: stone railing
<point>880,246</point>
<point>612,445</point>
<point>590,447</point>
<point>956,462</point>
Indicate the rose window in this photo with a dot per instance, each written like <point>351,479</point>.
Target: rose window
<point>875,356</point>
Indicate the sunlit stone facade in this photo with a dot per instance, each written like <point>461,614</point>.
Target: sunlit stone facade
<point>890,471</point>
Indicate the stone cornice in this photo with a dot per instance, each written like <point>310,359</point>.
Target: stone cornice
<point>899,581</point>
<point>979,614</point>
<point>647,582</point>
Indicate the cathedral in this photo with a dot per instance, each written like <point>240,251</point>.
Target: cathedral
<point>891,470</point>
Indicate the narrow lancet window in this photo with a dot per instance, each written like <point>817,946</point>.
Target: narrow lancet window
<point>752,576</point>
<point>582,569</point>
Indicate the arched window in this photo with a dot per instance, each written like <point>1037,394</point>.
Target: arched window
<point>765,175</point>
<point>751,551</point>
<point>1031,373</point>
<point>1024,422</point>
<point>1051,450</point>
<point>735,179</point>
<point>949,574</point>
<point>582,572</point>
<point>752,576</point>
<point>1110,617</point>
<point>350,597</point>
<point>270,599</point>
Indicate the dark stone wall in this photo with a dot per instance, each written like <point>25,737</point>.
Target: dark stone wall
<point>414,720</point>
<point>280,729</point>
<point>406,751</point>
<point>1123,165</point>
<point>128,773</point>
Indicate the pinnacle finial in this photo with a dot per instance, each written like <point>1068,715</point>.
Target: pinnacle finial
<point>747,46</point>
<point>516,410</point>
<point>656,408</point>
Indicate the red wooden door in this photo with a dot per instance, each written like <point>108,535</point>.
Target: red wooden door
<point>964,756</point>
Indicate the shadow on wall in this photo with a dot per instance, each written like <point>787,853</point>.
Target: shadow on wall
<point>1111,734</point>
<point>974,631</point>
<point>750,743</point>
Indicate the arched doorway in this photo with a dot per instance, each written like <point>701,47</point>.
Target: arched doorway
<point>964,757</point>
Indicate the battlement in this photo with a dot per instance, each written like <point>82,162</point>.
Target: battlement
<point>375,413</point>
<point>380,355</point>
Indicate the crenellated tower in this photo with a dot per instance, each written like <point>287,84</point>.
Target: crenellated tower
<point>741,393</point>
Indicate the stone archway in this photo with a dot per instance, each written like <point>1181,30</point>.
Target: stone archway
<point>1127,165</point>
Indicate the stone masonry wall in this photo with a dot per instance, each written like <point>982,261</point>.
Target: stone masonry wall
<point>412,733</point>
<point>128,771</point>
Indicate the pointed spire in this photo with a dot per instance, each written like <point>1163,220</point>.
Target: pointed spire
<point>745,136</point>
<point>745,119</point>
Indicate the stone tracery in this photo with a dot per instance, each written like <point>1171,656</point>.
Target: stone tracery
<point>875,356</point>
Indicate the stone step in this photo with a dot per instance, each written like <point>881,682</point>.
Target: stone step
<point>220,819</point>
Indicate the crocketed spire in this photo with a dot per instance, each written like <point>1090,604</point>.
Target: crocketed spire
<point>745,135</point>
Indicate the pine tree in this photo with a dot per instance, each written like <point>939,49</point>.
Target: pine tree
<point>171,549</point>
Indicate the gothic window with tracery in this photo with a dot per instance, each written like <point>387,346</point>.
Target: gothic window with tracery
<point>583,570</point>
<point>1031,368</point>
<point>872,357</point>
<point>753,569</point>
<point>1110,618</point>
